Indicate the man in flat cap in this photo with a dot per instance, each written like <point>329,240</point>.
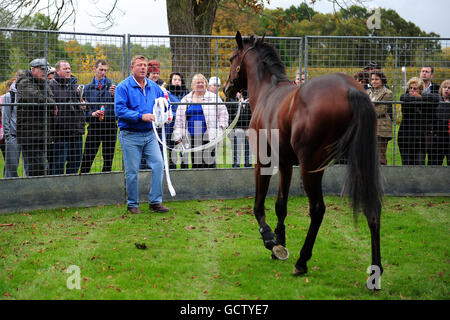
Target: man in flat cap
<point>33,91</point>
<point>213,85</point>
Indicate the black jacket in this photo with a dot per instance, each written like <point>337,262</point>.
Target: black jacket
<point>443,119</point>
<point>70,120</point>
<point>245,115</point>
<point>418,113</point>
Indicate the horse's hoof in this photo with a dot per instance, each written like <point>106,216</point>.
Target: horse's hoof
<point>280,252</point>
<point>299,271</point>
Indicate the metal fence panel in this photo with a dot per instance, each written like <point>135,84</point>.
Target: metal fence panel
<point>400,58</point>
<point>42,140</point>
<point>423,136</point>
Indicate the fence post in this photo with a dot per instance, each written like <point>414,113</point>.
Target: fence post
<point>46,126</point>
<point>394,115</point>
<point>306,58</point>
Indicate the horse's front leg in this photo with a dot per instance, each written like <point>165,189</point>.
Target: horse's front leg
<point>262,186</point>
<point>268,237</point>
<point>281,210</point>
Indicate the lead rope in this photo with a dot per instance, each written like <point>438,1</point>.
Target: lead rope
<point>163,114</point>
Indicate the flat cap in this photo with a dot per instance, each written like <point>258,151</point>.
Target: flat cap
<point>40,63</point>
<point>214,81</point>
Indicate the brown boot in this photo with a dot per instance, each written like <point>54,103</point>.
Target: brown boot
<point>134,210</point>
<point>158,207</point>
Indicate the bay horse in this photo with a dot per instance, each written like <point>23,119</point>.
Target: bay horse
<point>329,117</point>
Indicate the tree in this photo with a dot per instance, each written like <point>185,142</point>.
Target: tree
<point>191,17</point>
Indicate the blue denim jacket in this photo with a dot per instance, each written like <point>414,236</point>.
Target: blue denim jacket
<point>130,103</point>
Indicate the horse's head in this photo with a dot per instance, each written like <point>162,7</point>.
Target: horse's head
<point>237,79</point>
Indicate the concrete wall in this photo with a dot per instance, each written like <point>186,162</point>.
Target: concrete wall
<point>24,194</point>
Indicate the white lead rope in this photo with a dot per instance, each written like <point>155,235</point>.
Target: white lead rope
<point>163,114</point>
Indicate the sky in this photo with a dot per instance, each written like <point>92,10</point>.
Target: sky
<point>149,17</point>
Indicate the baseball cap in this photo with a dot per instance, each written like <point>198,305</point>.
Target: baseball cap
<point>40,63</point>
<point>51,70</point>
<point>214,81</point>
<point>372,65</point>
<point>154,66</point>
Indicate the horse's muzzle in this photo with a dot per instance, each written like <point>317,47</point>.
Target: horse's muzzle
<point>229,90</point>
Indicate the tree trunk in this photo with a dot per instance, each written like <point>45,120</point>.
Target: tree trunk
<point>191,17</point>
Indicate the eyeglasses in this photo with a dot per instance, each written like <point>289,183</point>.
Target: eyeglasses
<point>413,89</point>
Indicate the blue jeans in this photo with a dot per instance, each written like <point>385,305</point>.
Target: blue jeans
<point>68,149</point>
<point>13,151</point>
<point>238,140</point>
<point>136,145</point>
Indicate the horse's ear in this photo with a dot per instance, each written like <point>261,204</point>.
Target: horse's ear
<point>239,40</point>
<point>262,39</point>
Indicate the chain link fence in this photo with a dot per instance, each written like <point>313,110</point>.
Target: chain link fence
<point>58,130</point>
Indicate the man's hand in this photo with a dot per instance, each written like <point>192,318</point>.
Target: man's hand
<point>83,106</point>
<point>112,89</point>
<point>148,117</point>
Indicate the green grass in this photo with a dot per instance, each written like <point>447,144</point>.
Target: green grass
<point>212,250</point>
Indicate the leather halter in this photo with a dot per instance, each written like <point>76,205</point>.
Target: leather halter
<point>238,68</point>
<point>235,81</point>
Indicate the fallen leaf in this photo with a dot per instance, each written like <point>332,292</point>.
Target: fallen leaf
<point>141,246</point>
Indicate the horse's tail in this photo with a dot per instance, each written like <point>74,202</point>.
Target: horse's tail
<point>363,182</point>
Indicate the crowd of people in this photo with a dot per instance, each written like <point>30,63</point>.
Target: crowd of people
<point>424,131</point>
<point>58,125</point>
<point>47,112</point>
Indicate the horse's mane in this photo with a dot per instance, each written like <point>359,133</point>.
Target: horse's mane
<point>270,60</point>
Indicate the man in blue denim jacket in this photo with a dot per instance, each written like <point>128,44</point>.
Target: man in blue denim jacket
<point>133,105</point>
<point>102,126</point>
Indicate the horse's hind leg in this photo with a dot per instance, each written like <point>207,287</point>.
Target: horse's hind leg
<point>312,183</point>
<point>376,267</point>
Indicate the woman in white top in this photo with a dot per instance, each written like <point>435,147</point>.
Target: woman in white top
<point>198,123</point>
